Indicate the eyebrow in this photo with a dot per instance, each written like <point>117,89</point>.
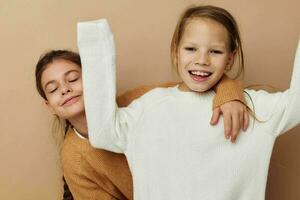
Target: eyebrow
<point>65,74</point>
<point>215,45</point>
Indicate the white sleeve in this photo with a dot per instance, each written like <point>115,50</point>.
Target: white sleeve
<point>97,52</point>
<point>280,111</point>
<point>291,115</point>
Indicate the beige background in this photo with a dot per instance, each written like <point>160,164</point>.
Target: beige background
<point>30,166</point>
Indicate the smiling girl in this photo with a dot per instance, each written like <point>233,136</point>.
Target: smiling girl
<point>172,152</point>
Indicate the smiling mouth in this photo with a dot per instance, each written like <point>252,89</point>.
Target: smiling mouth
<point>70,101</point>
<point>200,73</point>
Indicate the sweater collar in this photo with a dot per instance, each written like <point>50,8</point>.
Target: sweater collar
<point>193,95</point>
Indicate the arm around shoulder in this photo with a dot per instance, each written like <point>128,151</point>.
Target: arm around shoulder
<point>228,90</point>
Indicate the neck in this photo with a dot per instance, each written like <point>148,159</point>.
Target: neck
<point>80,124</point>
<point>183,87</point>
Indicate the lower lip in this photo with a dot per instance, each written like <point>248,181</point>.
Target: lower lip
<point>71,101</point>
<point>198,78</point>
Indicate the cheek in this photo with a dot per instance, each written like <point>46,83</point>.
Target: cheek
<point>53,100</point>
<point>78,85</point>
<point>222,63</point>
<point>183,61</point>
<point>52,105</point>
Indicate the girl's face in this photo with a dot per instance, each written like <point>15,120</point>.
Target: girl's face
<point>203,54</point>
<point>62,84</point>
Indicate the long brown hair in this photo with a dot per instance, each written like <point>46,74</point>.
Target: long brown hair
<point>60,126</point>
<point>217,14</point>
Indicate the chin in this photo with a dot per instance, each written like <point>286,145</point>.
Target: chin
<point>73,115</point>
<point>73,112</point>
<point>198,87</point>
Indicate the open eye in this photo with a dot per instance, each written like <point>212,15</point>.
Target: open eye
<point>190,49</point>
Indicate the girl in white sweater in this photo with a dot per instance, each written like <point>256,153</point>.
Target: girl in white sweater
<point>159,133</point>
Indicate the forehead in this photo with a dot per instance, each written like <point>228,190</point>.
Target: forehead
<point>201,29</point>
<point>57,69</point>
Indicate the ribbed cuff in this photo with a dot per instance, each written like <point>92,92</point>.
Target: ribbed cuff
<point>228,90</point>
<point>92,30</point>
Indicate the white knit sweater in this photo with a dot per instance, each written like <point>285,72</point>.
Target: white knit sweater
<point>172,150</point>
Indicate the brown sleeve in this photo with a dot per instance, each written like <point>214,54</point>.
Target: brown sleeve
<point>111,174</point>
<point>85,170</point>
<point>228,90</point>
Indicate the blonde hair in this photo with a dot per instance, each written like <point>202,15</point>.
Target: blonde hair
<point>217,14</point>
<point>59,129</point>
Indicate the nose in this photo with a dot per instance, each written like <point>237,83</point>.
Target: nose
<point>202,59</point>
<point>65,89</point>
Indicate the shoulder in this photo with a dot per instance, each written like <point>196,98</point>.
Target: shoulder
<point>261,95</point>
<point>157,95</point>
<point>71,144</point>
<point>126,98</point>
<point>263,102</point>
<point>147,101</point>
<point>137,108</point>
<point>78,154</point>
<point>72,151</point>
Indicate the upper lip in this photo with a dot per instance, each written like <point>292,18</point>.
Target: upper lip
<point>68,99</point>
<point>201,70</point>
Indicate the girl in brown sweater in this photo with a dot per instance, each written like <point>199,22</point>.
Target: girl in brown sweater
<point>99,174</point>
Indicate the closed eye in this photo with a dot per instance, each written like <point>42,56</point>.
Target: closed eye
<point>216,51</point>
<point>53,90</point>
<point>73,80</point>
<point>190,48</point>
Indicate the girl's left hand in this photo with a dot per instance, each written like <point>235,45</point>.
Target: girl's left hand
<point>236,117</point>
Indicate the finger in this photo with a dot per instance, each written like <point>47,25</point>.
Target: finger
<point>215,116</point>
<point>235,127</point>
<point>246,120</point>
<point>227,125</point>
<point>241,121</point>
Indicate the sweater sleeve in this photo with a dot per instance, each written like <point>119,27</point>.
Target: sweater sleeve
<point>228,90</point>
<point>107,129</point>
<point>291,98</point>
<point>279,111</point>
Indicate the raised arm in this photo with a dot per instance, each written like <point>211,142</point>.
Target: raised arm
<point>97,52</point>
<point>280,111</point>
<point>291,109</point>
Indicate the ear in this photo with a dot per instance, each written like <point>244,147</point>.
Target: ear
<point>50,107</point>
<point>230,61</point>
<point>175,58</point>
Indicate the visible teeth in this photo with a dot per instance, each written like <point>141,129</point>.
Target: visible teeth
<point>200,73</point>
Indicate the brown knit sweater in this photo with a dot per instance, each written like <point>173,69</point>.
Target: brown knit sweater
<point>94,174</point>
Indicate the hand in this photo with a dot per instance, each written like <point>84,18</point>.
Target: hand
<point>236,117</point>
